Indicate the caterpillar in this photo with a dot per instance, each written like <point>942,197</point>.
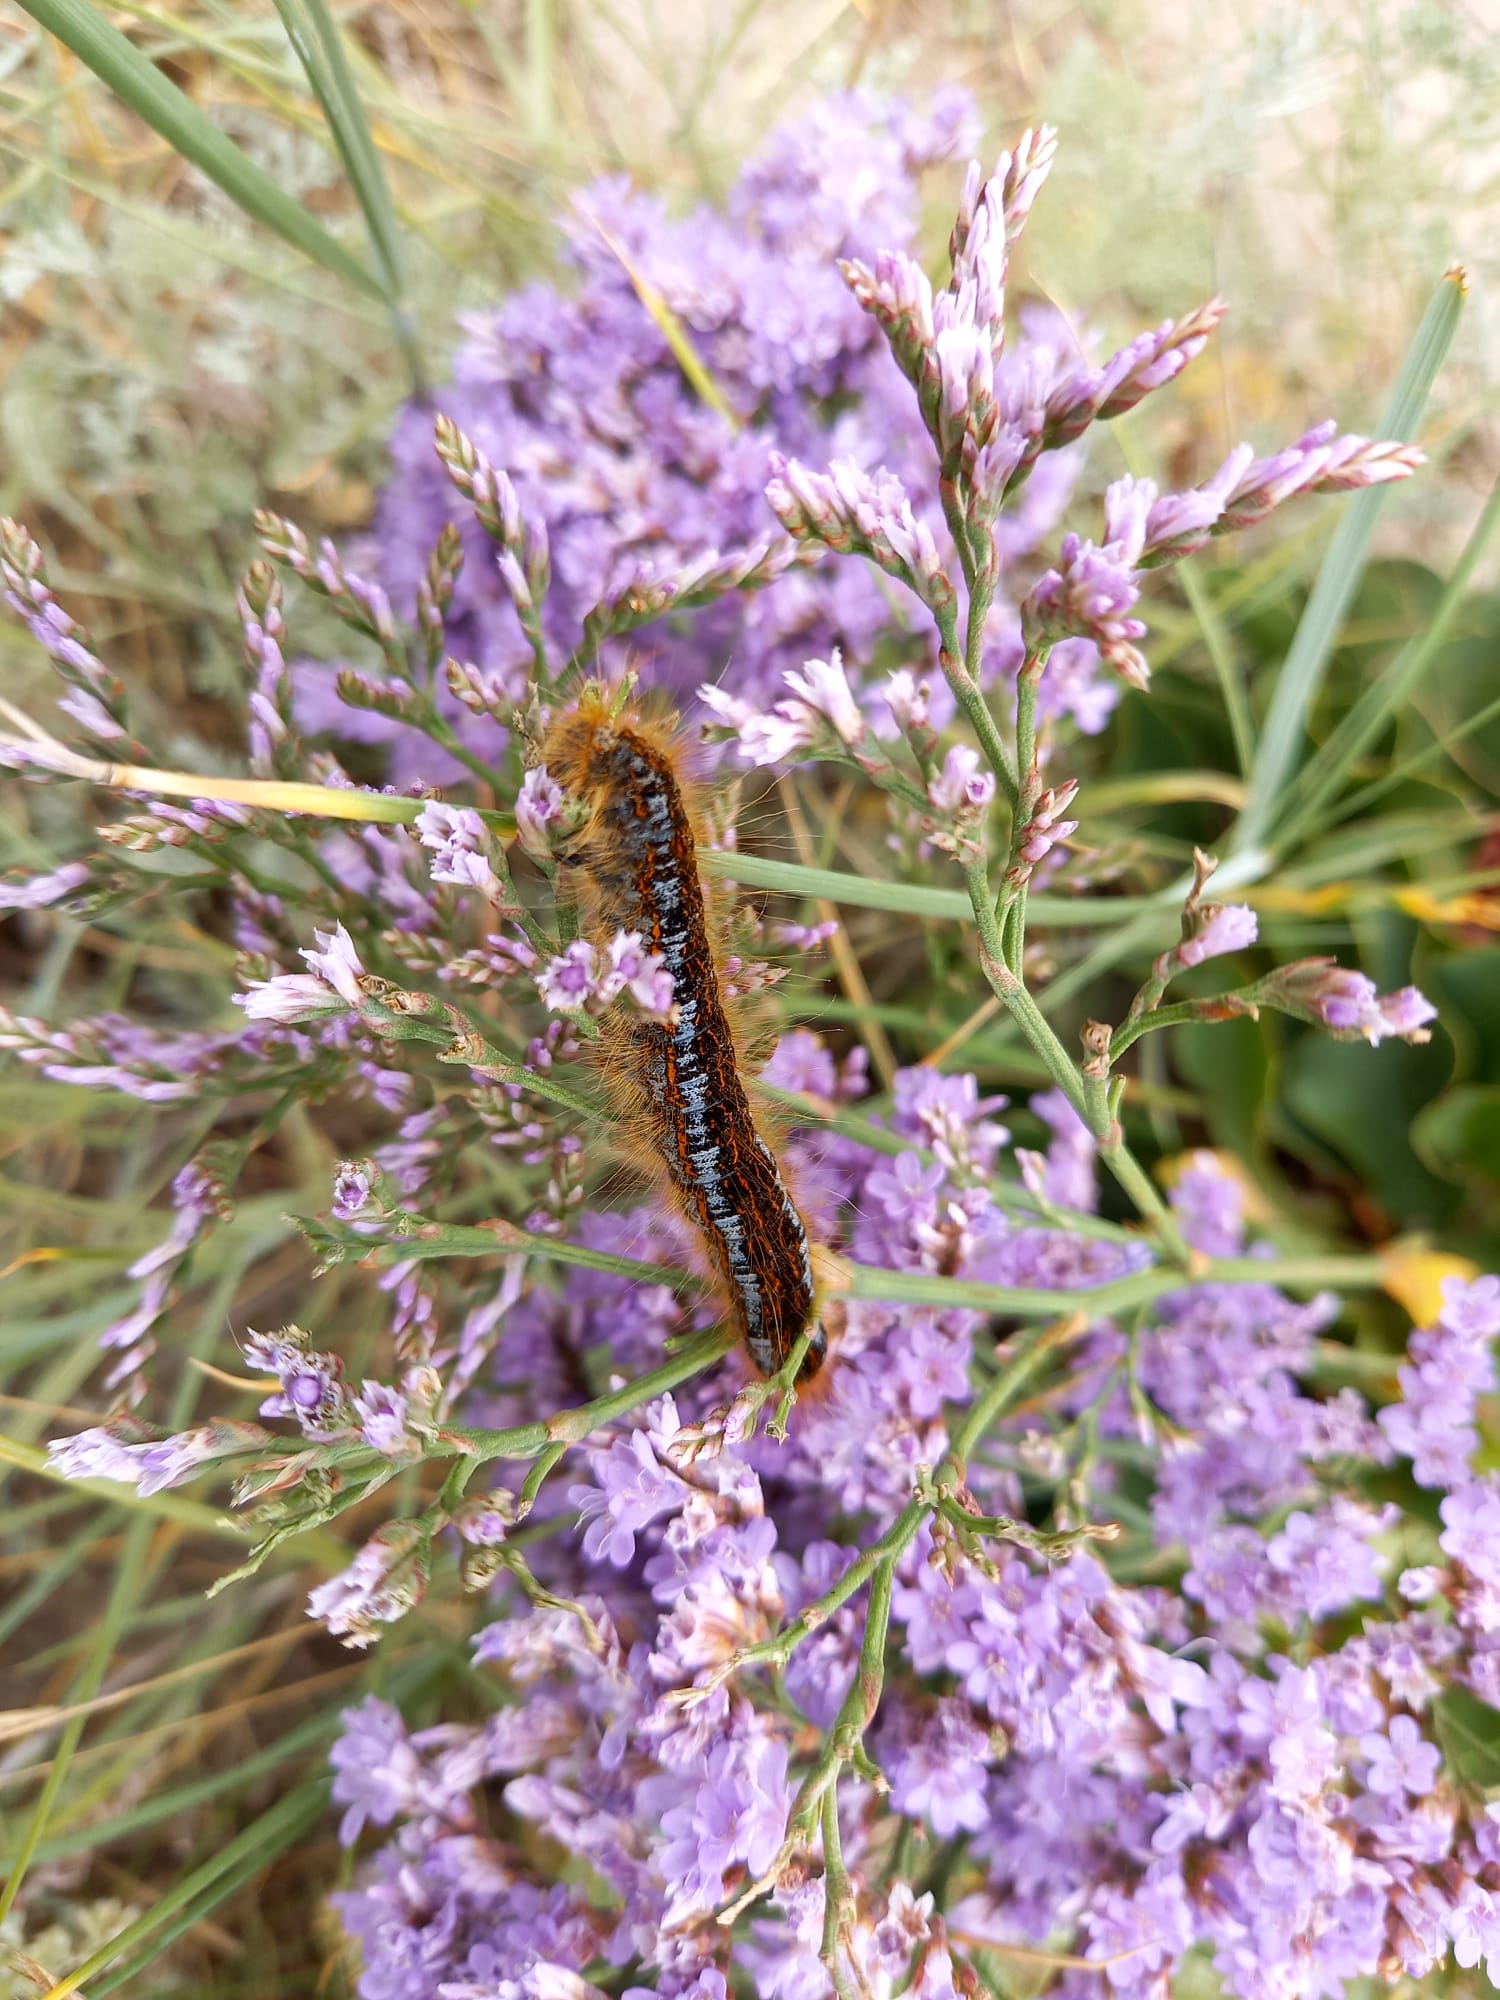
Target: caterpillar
<point>681,1085</point>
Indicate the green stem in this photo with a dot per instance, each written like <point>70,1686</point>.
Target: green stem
<point>870,1281</point>
<point>1031,1350</point>
<point>1011,907</point>
<point>838,1897</point>
<point>532,1485</point>
<point>1158,1017</point>
<point>1007,1194</point>
<point>961,678</point>
<point>572,1426</point>
<point>1011,990</point>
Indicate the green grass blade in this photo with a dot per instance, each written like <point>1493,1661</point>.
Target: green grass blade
<point>314,36</point>
<point>1432,753</point>
<point>86,1685</point>
<point>49,1581</point>
<point>1307,660</point>
<point>167,110</point>
<point>863,892</point>
<point>187,1902</point>
<point>1226,668</point>
<point>1331,763</point>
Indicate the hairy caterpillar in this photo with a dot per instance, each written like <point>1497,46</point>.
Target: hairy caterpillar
<point>681,1085</point>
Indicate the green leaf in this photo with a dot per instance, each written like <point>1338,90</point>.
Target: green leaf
<point>915,899</point>
<point>1229,1063</point>
<point>1297,685</point>
<point>1466,989</point>
<point>1458,1137</point>
<point>865,892</point>
<point>167,110</point>
<point>315,37</point>
<point>1393,690</point>
<point>1361,1102</point>
<point>1468,1731</point>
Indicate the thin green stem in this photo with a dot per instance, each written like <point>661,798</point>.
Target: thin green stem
<point>970,698</point>
<point>838,1898</point>
<point>1173,1016</point>
<point>1011,990</point>
<point>532,1485</point>
<point>871,1281</point>
<point>1031,1349</point>
<point>881,1139</point>
<point>572,1426</point>
<point>1011,907</point>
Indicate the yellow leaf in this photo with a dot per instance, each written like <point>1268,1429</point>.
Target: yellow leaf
<point>1413,1277</point>
<point>676,335</point>
<point>1482,908</point>
<point>1304,902</point>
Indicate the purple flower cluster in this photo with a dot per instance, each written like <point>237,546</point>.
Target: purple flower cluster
<point>1247,1767</point>
<point>588,979</point>
<point>638,481</point>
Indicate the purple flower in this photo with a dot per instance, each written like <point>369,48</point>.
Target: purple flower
<point>947,1114</point>
<point>1044,829</point>
<point>332,985</point>
<point>633,1489</point>
<point>1400,1761</point>
<point>1069,1174</point>
<point>539,805</point>
<point>824,701</point>
<point>1090,597</point>
<point>823,687</point>
<point>96,1454</point>
<point>1222,928</point>
<point>630,968</point>
<point>1471,1529</point>
<point>377,1772</point>
<point>312,1388</point>
<point>572,980</point>
<point>383,1419</point>
<point>934,1607</point>
<point>457,840</point>
<point>859,513</point>
<point>1326,1560</point>
<point>41,892</point>
<point>149,1467</point>
<point>768,738</point>
<point>1346,1003</point>
<point>939,1775</point>
<point>1147,362</point>
<point>381,1585</point>
<point>743,1807</point>
<point>335,961</point>
<point>353,1192</point>
<point>961,787</point>
<point>90,714</point>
